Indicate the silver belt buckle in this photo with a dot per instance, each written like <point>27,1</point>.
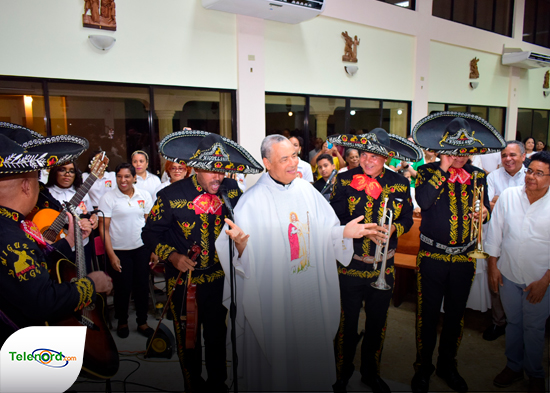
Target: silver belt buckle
<point>453,250</point>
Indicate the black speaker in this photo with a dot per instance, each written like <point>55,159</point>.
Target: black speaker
<point>163,344</point>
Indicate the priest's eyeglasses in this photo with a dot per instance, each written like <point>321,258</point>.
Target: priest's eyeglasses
<point>537,174</point>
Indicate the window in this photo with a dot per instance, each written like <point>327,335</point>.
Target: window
<point>494,115</point>
<point>490,15</point>
<point>313,117</point>
<point>116,118</point>
<point>533,123</point>
<point>22,102</point>
<point>536,22</point>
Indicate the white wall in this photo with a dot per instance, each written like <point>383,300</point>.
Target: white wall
<point>307,58</point>
<point>403,54</point>
<point>172,42</point>
<point>449,77</point>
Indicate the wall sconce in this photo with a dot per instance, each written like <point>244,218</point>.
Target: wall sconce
<point>474,84</point>
<point>546,93</point>
<point>102,42</point>
<point>351,70</point>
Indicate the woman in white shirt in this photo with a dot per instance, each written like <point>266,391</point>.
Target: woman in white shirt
<point>126,208</point>
<point>144,179</point>
<point>63,182</point>
<point>174,172</point>
<point>104,183</point>
<point>529,143</point>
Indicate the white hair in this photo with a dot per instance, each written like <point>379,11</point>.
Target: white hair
<point>268,142</point>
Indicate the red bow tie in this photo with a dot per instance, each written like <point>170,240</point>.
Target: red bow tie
<point>208,203</point>
<point>371,186</point>
<point>459,175</point>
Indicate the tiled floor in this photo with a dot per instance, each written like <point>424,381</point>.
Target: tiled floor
<point>479,361</point>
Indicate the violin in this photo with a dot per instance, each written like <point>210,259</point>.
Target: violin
<point>189,321</point>
<point>191,317</point>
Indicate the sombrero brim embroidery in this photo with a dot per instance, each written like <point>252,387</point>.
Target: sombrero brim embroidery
<point>431,134</point>
<point>399,148</point>
<point>224,155</point>
<point>40,153</point>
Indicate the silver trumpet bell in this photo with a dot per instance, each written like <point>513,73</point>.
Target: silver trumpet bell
<point>380,283</point>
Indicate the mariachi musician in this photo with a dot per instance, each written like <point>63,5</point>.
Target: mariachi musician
<point>192,212</point>
<point>445,191</point>
<point>363,191</point>
<point>28,296</point>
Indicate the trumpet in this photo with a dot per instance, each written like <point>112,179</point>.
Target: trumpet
<point>380,255</point>
<point>476,228</point>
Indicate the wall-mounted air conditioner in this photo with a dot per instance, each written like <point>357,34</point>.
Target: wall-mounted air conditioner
<point>517,58</point>
<point>287,11</point>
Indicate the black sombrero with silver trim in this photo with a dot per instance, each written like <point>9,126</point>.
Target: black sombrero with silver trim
<point>208,151</point>
<point>378,141</point>
<point>23,150</point>
<point>457,134</point>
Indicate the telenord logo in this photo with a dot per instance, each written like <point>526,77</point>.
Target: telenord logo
<point>52,355</point>
<point>46,357</point>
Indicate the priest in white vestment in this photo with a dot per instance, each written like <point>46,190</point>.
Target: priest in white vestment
<point>287,239</point>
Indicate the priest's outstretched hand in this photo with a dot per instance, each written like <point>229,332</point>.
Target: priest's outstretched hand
<point>237,235</point>
<point>356,230</point>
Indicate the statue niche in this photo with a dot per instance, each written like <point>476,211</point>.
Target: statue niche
<point>99,14</point>
<point>474,72</point>
<point>350,49</point>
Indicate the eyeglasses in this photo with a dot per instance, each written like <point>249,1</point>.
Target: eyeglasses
<point>537,174</point>
<point>67,171</point>
<point>174,169</point>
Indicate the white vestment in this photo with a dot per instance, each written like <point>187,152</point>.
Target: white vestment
<point>288,298</point>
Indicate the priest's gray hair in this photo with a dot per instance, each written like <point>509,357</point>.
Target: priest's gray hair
<point>268,143</point>
<point>520,144</point>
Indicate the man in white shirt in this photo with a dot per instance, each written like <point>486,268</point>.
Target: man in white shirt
<point>519,240</point>
<point>510,174</point>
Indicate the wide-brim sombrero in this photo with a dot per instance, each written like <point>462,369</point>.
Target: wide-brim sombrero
<point>378,141</point>
<point>457,134</point>
<point>23,150</point>
<point>208,151</point>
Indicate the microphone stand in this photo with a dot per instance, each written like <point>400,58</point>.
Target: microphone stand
<point>233,306</point>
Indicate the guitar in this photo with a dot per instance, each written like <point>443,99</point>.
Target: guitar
<point>100,351</point>
<point>50,222</point>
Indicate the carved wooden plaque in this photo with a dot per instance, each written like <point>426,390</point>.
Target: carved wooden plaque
<point>350,49</point>
<point>99,14</point>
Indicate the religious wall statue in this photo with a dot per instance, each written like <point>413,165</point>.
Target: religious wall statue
<point>474,72</point>
<point>99,14</point>
<point>350,50</point>
<point>546,84</point>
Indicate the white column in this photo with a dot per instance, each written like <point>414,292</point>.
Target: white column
<point>421,64</point>
<point>514,74</point>
<point>250,86</point>
<point>322,124</point>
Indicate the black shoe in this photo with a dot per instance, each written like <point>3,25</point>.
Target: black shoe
<point>377,384</point>
<point>420,382</point>
<point>493,332</point>
<point>339,387</point>
<point>146,332</point>
<point>453,378</point>
<point>122,331</point>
